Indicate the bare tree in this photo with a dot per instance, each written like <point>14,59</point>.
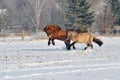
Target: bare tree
<point>108,18</point>
<point>104,17</point>
<point>36,12</point>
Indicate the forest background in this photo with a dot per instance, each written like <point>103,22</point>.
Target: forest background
<point>17,16</point>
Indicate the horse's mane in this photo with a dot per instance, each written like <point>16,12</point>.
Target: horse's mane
<point>75,30</point>
<point>59,28</point>
<point>52,25</point>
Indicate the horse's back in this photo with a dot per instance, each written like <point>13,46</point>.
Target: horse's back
<point>52,27</point>
<point>61,34</point>
<point>83,37</point>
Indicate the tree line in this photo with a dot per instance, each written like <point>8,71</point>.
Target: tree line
<point>101,16</point>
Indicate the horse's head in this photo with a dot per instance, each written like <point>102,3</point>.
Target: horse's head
<point>47,31</point>
<point>50,29</point>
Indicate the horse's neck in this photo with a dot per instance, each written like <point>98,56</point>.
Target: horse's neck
<point>71,35</point>
<point>74,34</point>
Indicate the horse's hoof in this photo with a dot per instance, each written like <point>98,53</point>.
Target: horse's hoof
<point>53,44</point>
<point>74,48</point>
<point>85,48</point>
<point>48,44</point>
<point>68,48</point>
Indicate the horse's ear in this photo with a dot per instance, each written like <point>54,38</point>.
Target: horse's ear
<point>45,28</point>
<point>59,28</point>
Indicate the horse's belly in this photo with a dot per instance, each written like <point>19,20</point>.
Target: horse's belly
<point>82,41</point>
<point>62,37</point>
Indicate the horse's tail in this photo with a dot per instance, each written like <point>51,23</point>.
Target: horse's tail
<point>98,41</point>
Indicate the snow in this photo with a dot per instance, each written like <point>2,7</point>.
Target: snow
<point>35,60</point>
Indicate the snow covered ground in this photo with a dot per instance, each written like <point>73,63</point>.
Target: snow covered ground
<point>34,60</point>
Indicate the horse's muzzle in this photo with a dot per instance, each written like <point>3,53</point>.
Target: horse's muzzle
<point>49,35</point>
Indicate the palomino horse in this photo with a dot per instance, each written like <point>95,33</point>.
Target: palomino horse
<point>55,32</point>
<point>86,38</point>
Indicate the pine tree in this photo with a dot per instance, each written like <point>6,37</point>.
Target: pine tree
<point>78,14</point>
<point>115,5</point>
<point>70,13</point>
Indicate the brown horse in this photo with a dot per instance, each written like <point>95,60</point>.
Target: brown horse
<point>86,38</point>
<point>55,32</point>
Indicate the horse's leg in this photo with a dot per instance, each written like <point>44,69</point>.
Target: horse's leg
<point>91,43</point>
<point>67,43</point>
<point>53,42</point>
<point>71,45</point>
<point>74,46</point>
<point>49,41</point>
<point>91,46</point>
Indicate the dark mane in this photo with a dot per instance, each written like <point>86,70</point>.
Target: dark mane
<point>75,30</point>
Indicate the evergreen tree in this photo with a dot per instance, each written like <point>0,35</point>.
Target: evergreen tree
<point>115,5</point>
<point>70,13</point>
<point>78,14</point>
